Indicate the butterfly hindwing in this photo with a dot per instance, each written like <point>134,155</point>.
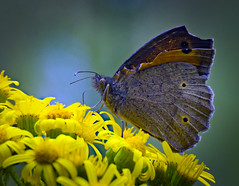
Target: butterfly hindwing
<point>173,105</point>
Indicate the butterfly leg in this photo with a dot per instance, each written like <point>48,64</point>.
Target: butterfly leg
<point>122,121</point>
<point>83,97</point>
<point>100,108</point>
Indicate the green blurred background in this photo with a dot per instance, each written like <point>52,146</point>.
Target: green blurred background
<point>42,44</point>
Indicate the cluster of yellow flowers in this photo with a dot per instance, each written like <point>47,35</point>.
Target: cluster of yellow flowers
<point>58,145</point>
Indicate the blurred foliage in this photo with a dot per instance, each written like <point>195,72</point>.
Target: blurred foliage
<point>44,42</point>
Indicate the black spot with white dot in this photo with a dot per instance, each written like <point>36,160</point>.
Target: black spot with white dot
<point>185,119</point>
<point>185,47</point>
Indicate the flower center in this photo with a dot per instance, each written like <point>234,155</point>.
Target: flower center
<point>3,135</point>
<point>85,131</point>
<point>137,143</point>
<point>59,114</point>
<point>46,152</point>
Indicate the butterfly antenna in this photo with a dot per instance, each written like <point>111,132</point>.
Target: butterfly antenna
<point>83,94</point>
<point>86,71</point>
<point>80,79</point>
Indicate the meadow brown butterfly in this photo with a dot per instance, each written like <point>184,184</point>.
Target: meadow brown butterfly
<point>162,88</point>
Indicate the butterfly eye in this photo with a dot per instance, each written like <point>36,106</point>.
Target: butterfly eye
<point>183,84</point>
<point>185,119</point>
<point>102,80</point>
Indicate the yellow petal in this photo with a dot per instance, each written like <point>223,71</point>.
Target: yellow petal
<point>31,142</point>
<point>73,106</point>
<point>60,123</point>
<point>60,170</point>
<point>109,174</point>
<point>27,170</point>
<point>4,153</point>
<point>90,170</point>
<point>116,128</point>
<point>119,181</point>
<point>37,173</point>
<point>14,131</point>
<point>14,146</point>
<point>49,175</point>
<point>96,151</point>
<point>66,181</point>
<point>138,167</point>
<point>168,151</point>
<point>203,181</point>
<point>208,176</point>
<point>17,159</point>
<point>68,165</point>
<point>81,181</point>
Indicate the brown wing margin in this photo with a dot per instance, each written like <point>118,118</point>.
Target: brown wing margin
<point>158,51</point>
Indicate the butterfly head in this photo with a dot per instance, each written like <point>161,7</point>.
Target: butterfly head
<point>100,83</point>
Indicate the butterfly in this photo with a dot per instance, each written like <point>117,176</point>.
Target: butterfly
<point>162,88</point>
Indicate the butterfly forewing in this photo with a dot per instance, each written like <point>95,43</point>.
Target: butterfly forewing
<point>175,45</point>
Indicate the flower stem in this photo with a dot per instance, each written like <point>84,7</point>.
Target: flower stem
<point>1,176</point>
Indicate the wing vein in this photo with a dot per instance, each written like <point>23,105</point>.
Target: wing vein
<point>188,115</point>
<point>162,118</point>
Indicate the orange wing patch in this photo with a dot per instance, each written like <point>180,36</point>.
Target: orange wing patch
<point>201,58</point>
<point>124,72</point>
<point>175,45</point>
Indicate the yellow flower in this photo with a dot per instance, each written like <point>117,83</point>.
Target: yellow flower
<point>100,166</point>
<point>76,121</point>
<point>131,152</point>
<point>91,125</point>
<point>25,112</point>
<point>88,125</point>
<point>130,140</point>
<point>9,141</point>
<point>43,160</point>
<point>6,92</point>
<point>56,117</point>
<point>78,152</point>
<point>187,168</point>
<point>111,177</point>
<point>131,178</point>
